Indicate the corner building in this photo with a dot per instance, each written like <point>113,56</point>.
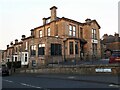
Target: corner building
<point>64,39</point>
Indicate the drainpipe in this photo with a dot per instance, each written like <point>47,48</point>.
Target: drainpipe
<point>64,49</point>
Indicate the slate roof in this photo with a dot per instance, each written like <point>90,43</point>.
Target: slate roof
<point>110,39</point>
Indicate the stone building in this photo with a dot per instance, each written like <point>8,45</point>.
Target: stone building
<point>60,40</point>
<point>63,39</point>
<point>1,56</point>
<point>109,43</point>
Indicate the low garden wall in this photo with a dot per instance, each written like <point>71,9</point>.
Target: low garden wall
<point>75,69</point>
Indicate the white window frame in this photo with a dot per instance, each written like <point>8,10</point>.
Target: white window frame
<point>48,31</point>
<point>72,30</point>
<point>26,45</point>
<point>40,33</point>
<point>94,34</point>
<point>41,45</point>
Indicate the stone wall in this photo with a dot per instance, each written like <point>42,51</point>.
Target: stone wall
<point>80,69</point>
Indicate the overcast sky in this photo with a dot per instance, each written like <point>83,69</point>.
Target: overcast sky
<point>18,17</point>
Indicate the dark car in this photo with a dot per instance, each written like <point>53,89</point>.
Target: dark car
<point>5,70</point>
<point>115,58</point>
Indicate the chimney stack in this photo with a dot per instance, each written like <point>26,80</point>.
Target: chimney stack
<point>23,37</point>
<point>7,46</point>
<point>53,13</point>
<point>16,41</point>
<point>116,35</point>
<point>88,20</point>
<point>105,36</point>
<point>32,32</point>
<point>44,21</point>
<point>11,43</point>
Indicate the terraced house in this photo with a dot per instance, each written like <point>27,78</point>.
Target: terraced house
<point>109,44</point>
<point>59,40</point>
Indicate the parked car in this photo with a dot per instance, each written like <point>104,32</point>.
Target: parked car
<point>115,58</point>
<point>5,70</point>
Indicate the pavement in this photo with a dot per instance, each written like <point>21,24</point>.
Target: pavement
<point>103,79</point>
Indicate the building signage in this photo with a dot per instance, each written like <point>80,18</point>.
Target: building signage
<point>94,41</point>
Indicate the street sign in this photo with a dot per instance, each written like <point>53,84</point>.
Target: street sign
<point>103,70</point>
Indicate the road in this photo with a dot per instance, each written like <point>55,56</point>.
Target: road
<point>47,82</point>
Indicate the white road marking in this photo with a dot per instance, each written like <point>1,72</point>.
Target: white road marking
<point>112,85</point>
<point>30,85</point>
<point>22,84</point>
<point>71,77</point>
<point>8,81</point>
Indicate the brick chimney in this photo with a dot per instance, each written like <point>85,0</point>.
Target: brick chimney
<point>16,41</point>
<point>53,13</point>
<point>116,35</point>
<point>32,32</point>
<point>105,36</point>
<point>44,21</point>
<point>88,20</point>
<point>7,46</point>
<point>23,37</point>
<point>11,43</point>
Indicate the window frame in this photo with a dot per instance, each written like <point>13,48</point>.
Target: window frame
<point>71,48</point>
<point>26,57</point>
<point>72,30</point>
<point>33,50</point>
<point>40,33</point>
<point>56,49</point>
<point>94,48</point>
<point>76,47</point>
<point>41,48</point>
<point>48,31</point>
<point>94,34</point>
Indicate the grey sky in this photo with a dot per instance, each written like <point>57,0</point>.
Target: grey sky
<point>17,17</point>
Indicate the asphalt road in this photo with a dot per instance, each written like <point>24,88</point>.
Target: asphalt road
<point>47,82</point>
